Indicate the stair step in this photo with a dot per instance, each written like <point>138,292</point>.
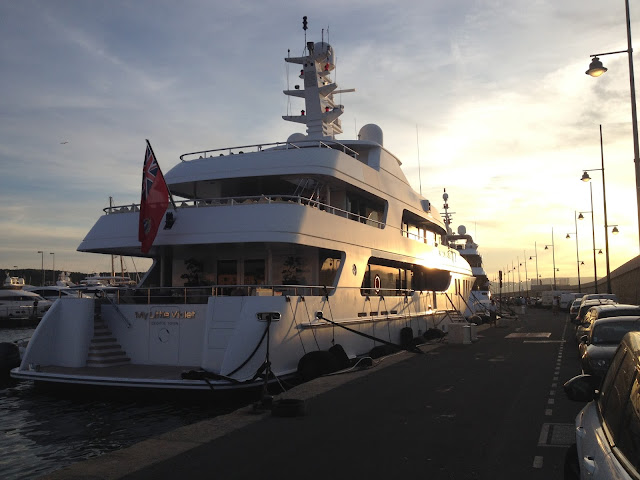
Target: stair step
<point>104,350</point>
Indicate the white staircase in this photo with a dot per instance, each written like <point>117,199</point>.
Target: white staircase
<point>104,350</point>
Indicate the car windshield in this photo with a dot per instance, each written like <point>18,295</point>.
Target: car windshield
<point>612,332</point>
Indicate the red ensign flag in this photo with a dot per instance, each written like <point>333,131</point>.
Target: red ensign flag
<point>154,200</point>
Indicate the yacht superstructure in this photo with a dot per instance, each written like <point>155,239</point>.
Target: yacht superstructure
<point>269,253</point>
<point>480,295</point>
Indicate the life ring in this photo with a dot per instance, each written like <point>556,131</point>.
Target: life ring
<point>98,294</point>
<point>377,283</point>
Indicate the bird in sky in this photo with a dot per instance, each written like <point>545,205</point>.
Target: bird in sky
<point>62,143</point>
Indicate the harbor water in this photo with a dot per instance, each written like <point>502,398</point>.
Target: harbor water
<point>42,431</point>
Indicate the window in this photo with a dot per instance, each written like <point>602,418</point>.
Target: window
<point>388,277</point>
<point>254,272</point>
<point>330,261</point>
<point>417,228</point>
<point>629,439</point>
<point>227,272</point>
<point>616,398</point>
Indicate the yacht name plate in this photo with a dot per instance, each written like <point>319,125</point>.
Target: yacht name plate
<point>164,314</point>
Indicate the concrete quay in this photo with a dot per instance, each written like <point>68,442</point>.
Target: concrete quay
<point>455,412</point>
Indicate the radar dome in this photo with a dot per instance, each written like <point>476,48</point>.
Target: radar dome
<point>462,230</point>
<point>324,52</point>
<point>371,133</point>
<point>297,137</point>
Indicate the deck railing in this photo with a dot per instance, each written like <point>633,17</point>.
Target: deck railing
<point>261,147</point>
<point>252,200</point>
<point>200,295</point>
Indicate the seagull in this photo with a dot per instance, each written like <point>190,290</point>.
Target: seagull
<point>62,143</point>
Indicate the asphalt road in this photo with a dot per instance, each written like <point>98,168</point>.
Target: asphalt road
<point>494,409</point>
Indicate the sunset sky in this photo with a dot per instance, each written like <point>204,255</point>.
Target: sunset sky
<point>486,98</point>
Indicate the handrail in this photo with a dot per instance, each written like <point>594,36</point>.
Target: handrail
<point>115,305</point>
<point>201,294</point>
<point>250,200</point>
<point>310,143</point>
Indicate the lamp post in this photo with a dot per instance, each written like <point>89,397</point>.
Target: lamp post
<point>535,246</point>
<point>586,178</point>
<point>53,269</point>
<point>575,219</point>
<point>553,252</point>
<point>526,274</point>
<point>42,266</point>
<point>593,234</point>
<point>595,70</point>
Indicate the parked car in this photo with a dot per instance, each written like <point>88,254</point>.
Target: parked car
<point>573,309</point>
<point>586,305</point>
<point>604,311</point>
<point>598,347</point>
<point>596,296</point>
<point>608,427</point>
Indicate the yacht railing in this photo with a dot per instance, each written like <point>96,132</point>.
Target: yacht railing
<point>256,199</point>
<point>261,147</point>
<point>200,295</point>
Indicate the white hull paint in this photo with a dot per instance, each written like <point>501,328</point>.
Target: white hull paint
<point>312,232</point>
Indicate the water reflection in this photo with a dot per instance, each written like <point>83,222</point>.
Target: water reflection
<point>44,430</point>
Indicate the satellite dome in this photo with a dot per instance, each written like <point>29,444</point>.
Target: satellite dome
<point>462,230</point>
<point>296,137</point>
<point>371,133</point>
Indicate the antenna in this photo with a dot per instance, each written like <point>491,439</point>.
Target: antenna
<point>305,27</point>
<point>418,146</point>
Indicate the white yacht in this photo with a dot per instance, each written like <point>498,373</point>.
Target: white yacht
<point>270,254</point>
<point>480,296</point>
<point>17,303</point>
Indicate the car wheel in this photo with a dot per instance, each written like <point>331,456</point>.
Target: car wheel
<point>571,466</point>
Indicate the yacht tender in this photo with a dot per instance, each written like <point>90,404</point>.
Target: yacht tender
<point>271,253</point>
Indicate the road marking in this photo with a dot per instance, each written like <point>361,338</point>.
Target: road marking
<point>557,435</point>
<point>529,335</point>
<point>542,341</point>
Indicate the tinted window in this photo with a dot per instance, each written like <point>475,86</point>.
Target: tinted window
<point>615,401</point>
<point>612,332</point>
<point>629,440</point>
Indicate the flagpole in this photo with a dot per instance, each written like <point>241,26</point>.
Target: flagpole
<point>154,156</point>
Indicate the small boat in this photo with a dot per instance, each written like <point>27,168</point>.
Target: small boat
<point>276,261</point>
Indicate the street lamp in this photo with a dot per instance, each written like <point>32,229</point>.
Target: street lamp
<point>553,252</point>
<point>535,246</point>
<point>593,235</point>
<point>575,219</point>
<point>586,178</point>
<point>526,274</point>
<point>42,265</point>
<point>53,269</point>
<point>595,70</point>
